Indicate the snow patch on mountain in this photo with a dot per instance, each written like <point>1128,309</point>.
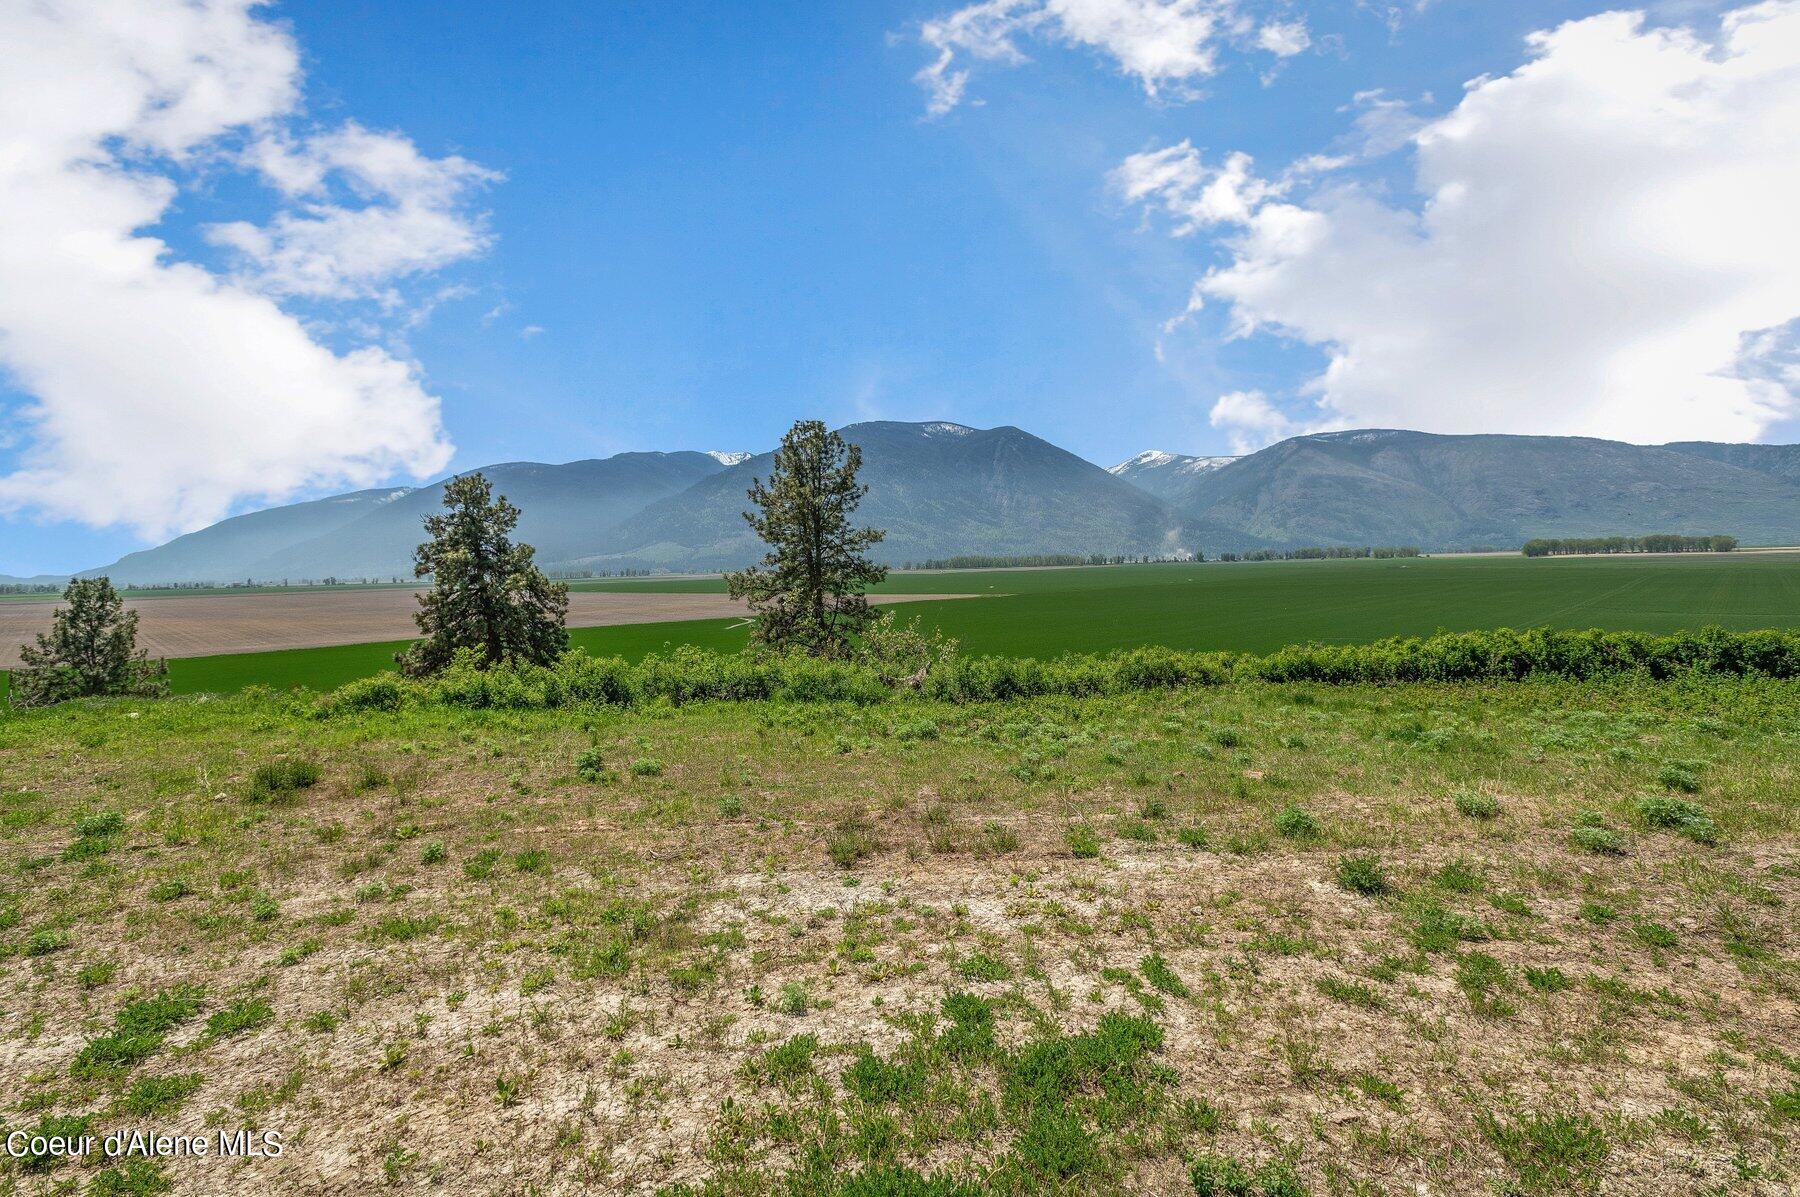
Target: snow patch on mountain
<point>727,459</point>
<point>1149,459</point>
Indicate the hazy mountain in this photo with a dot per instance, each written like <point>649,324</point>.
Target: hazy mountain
<point>1440,492</point>
<point>942,490</point>
<point>938,489</point>
<point>230,549</point>
<point>372,534</point>
<point>36,580</point>
<point>1777,461</point>
<point>1166,475</point>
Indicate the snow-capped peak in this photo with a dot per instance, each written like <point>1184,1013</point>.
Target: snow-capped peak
<point>727,459</point>
<point>1148,459</point>
<point>1200,465</point>
<point>945,428</point>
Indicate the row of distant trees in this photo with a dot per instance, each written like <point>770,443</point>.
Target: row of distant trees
<point>1025,560</point>
<point>1315,553</point>
<point>1656,542</point>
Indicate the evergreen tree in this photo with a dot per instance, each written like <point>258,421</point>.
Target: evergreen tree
<point>91,649</point>
<point>808,591</point>
<point>486,594</point>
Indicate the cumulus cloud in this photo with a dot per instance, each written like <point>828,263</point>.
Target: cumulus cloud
<point>1251,421</point>
<point>1284,39</point>
<point>1166,45</point>
<point>403,214</point>
<point>160,395</point>
<point>1605,246</point>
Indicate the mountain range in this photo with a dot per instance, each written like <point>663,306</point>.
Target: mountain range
<point>941,489</point>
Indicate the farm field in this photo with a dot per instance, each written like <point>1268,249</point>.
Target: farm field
<point>1248,607</point>
<point>1531,938</point>
<point>215,625</point>
<point>1260,606</point>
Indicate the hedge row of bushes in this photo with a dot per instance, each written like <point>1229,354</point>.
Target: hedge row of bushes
<point>692,675</point>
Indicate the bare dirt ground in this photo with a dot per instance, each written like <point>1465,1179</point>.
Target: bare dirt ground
<point>208,625</point>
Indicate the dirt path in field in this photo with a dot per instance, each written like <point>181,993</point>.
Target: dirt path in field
<point>208,625</point>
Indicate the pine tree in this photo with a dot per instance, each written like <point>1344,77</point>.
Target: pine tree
<point>91,649</point>
<point>486,596</point>
<point>808,591</point>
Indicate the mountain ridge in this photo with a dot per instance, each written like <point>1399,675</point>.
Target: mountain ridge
<point>943,489</point>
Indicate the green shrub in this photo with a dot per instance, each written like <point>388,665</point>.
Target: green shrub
<point>878,1081</point>
<point>1602,841</point>
<point>787,1061</point>
<point>247,1014</point>
<point>850,842</point>
<point>1680,775</point>
<point>1056,1143</point>
<point>590,765</point>
<point>138,1031</point>
<point>152,1096</point>
<point>68,1127</point>
<point>689,674</point>
<point>170,890</point>
<point>1222,1176</point>
<point>1477,805</point>
<point>1082,842</point>
<point>1653,935</point>
<point>279,781</point>
<point>970,1035</point>
<point>45,941</point>
<point>1362,875</point>
<point>1459,876</point>
<point>980,966</point>
<point>1297,823</point>
<point>107,822</point>
<point>1552,1152</point>
<point>1678,815</point>
<point>1156,970</point>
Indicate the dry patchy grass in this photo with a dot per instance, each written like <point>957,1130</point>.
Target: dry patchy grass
<point>1287,939</point>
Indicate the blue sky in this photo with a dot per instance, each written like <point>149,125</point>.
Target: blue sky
<point>705,221</point>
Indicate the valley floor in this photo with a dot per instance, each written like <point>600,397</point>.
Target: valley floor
<point>182,626</point>
<point>1528,938</point>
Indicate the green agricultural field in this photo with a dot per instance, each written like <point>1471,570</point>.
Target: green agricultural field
<point>1294,940</point>
<point>1247,607</point>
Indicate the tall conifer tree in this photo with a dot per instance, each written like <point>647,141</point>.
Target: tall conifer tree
<point>486,595</point>
<point>808,593</point>
<point>91,649</point>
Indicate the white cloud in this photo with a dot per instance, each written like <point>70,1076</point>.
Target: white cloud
<point>1606,242</point>
<point>1252,422</point>
<point>1284,39</point>
<point>406,218</point>
<point>1166,45</point>
<point>162,395</point>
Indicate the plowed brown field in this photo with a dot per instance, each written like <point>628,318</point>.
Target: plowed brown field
<point>207,625</point>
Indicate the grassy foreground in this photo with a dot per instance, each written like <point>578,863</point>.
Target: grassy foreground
<point>1530,938</point>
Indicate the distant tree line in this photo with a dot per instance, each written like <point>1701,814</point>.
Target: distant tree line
<point>1656,542</point>
<point>583,575</point>
<point>1333,553</point>
<point>993,561</point>
<point>30,588</point>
